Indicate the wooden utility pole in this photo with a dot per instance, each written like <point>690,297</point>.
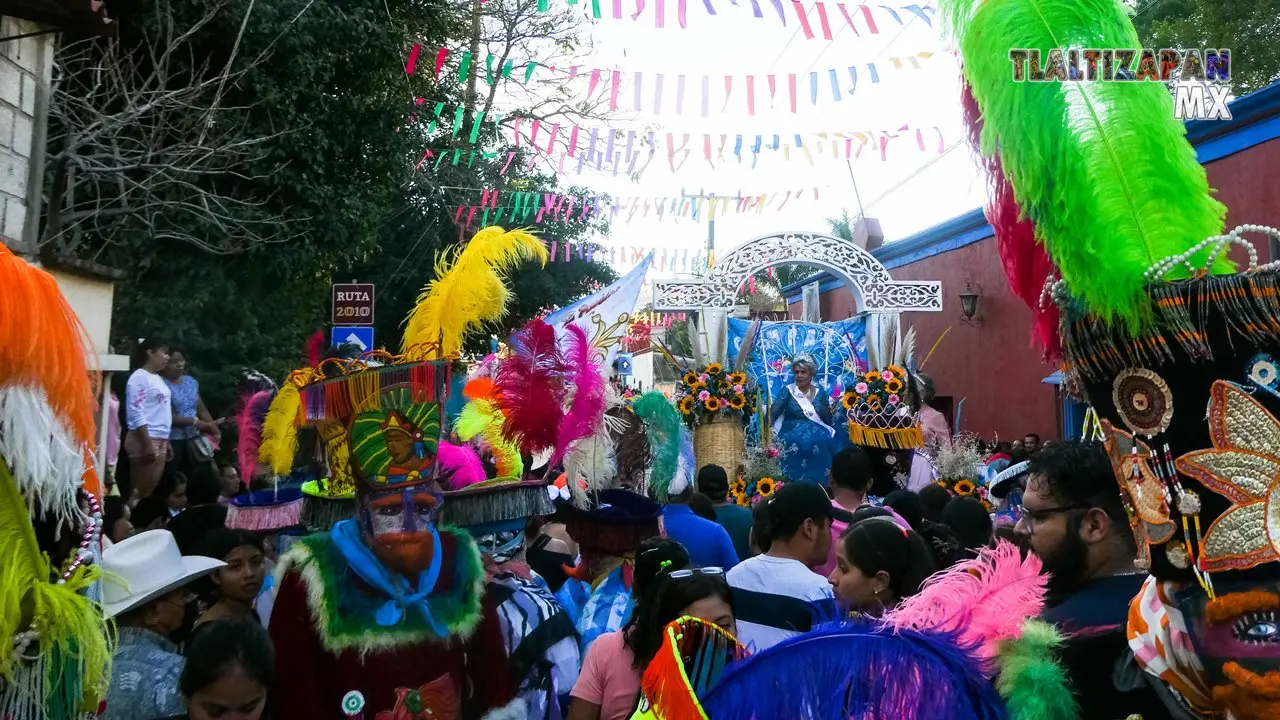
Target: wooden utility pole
<point>711,217</point>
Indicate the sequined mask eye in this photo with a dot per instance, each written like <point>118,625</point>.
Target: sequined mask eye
<point>1257,628</point>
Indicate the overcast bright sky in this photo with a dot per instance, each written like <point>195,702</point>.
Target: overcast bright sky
<point>735,42</point>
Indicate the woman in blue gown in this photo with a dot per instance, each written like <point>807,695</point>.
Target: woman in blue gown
<point>802,424</point>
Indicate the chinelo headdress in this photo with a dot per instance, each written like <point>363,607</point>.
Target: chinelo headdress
<point>882,405</point>
<point>1157,324</point>
<point>55,645</point>
<point>381,416</point>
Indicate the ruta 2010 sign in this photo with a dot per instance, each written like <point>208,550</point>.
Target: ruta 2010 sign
<point>352,304</point>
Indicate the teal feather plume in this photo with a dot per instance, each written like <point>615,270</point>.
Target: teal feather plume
<point>1032,683</point>
<point>662,428</point>
<point>1101,167</point>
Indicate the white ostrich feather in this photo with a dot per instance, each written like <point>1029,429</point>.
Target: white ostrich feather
<point>590,459</point>
<point>46,461</point>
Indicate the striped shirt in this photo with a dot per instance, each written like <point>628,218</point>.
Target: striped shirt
<point>776,598</point>
<point>540,639</point>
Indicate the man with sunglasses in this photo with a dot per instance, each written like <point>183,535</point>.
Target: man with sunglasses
<point>1072,518</point>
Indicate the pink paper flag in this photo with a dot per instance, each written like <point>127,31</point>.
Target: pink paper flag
<point>617,9</point>
<point>573,141</point>
<point>920,139</point>
<point>471,216</point>
<point>533,134</point>
<point>595,82</point>
<point>412,62</point>
<point>871,22</point>
<point>706,95</point>
<point>613,90</point>
<point>441,54</point>
<point>773,89</point>
<point>751,94</point>
<point>551,144</point>
<point>822,20</point>
<point>804,19</point>
<point>681,12</point>
<point>510,156</point>
<point>728,90</point>
<point>457,217</point>
<point>660,13</point>
<point>639,9</point>
<point>706,147</point>
<point>791,89</point>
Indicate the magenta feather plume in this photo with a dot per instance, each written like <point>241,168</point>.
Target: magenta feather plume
<point>460,466</point>
<point>1026,263</point>
<point>249,431</point>
<point>531,388</point>
<point>587,409</point>
<point>986,599</point>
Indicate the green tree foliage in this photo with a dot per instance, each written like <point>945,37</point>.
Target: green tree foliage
<point>1248,27</point>
<point>318,88</point>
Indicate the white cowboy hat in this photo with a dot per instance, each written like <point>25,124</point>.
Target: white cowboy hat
<point>145,567</point>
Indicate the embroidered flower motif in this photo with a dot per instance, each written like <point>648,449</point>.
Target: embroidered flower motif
<point>1243,467</point>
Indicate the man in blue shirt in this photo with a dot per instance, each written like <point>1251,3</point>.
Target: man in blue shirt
<point>735,519</point>
<point>708,543</point>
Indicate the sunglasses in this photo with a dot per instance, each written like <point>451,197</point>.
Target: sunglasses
<point>690,572</point>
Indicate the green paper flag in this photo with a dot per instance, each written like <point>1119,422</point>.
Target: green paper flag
<point>528,71</point>
<point>457,121</point>
<point>488,69</point>
<point>475,128</point>
<point>595,9</point>
<point>542,6</point>
<point>507,67</point>
<point>464,67</point>
<point>439,109</point>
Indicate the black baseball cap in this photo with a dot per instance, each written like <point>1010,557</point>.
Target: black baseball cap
<point>796,502</point>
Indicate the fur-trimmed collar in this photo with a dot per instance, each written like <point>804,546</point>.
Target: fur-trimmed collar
<point>343,609</point>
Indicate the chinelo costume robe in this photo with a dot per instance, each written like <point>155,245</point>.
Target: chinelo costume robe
<point>330,647</point>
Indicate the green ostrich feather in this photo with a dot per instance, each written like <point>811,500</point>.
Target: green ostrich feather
<point>1101,167</point>
<point>1031,682</point>
<point>662,427</point>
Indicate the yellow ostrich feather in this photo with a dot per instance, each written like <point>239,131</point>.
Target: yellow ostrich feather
<point>72,630</point>
<point>280,430</point>
<point>469,290</point>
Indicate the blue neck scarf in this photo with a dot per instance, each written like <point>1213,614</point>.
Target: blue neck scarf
<point>346,536</point>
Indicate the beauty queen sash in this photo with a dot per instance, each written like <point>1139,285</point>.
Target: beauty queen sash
<point>806,407</point>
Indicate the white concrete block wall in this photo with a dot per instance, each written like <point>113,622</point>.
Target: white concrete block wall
<point>21,72</point>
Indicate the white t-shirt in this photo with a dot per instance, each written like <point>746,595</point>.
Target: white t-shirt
<point>776,598</point>
<point>148,402</point>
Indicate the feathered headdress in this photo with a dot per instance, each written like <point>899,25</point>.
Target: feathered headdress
<point>586,411</point>
<point>249,423</point>
<point>662,429</point>
<point>481,417</point>
<point>1027,266</point>
<point>1092,164</point>
<point>61,643</point>
<point>986,600</point>
<point>48,397</point>
<point>531,388</point>
<point>591,463</point>
<point>469,290</point>
<point>828,672</point>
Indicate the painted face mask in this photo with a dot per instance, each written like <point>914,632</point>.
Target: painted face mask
<point>399,526</point>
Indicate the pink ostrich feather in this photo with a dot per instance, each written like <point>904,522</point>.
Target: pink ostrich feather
<point>460,466</point>
<point>587,409</point>
<point>986,599</point>
<point>249,431</point>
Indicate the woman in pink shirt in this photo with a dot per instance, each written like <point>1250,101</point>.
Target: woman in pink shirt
<point>608,687</point>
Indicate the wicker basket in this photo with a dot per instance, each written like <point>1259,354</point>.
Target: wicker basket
<point>723,442</point>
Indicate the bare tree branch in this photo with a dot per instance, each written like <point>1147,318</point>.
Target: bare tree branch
<point>140,144</point>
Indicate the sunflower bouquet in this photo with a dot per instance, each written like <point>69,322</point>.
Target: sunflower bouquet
<point>959,466</point>
<point>709,391</point>
<point>761,476</point>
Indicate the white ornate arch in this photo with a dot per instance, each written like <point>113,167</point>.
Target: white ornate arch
<point>868,279</point>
